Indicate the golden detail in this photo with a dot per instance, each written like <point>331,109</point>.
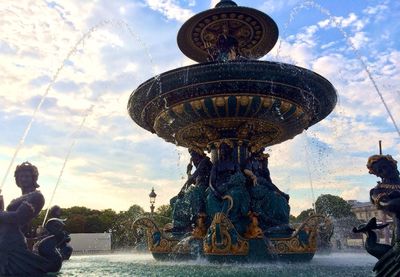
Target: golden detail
<point>219,101</point>
<point>253,230</point>
<point>375,158</point>
<point>376,199</point>
<point>223,245</point>
<point>178,109</point>
<point>197,150</point>
<point>243,100</point>
<point>230,199</point>
<point>200,231</point>
<point>299,111</point>
<point>165,245</point>
<point>294,244</point>
<point>285,106</point>
<point>196,105</point>
<point>267,102</point>
<point>388,186</point>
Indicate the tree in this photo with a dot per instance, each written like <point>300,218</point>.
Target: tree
<point>163,215</point>
<point>339,211</point>
<point>333,206</point>
<point>304,215</point>
<point>123,231</point>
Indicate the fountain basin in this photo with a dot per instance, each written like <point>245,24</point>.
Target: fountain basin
<point>262,103</point>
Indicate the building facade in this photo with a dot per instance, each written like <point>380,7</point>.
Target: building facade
<point>364,211</point>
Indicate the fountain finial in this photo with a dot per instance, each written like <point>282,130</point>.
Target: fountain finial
<point>226,3</point>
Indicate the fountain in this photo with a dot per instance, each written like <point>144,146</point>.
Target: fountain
<point>233,106</point>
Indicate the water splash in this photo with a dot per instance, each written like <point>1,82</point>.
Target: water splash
<point>296,10</point>
<point>86,114</point>
<point>73,50</point>
<point>324,11</point>
<point>307,155</point>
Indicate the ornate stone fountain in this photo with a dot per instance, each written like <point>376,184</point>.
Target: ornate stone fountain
<point>233,106</point>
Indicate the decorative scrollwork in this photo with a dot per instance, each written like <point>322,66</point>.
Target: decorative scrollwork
<point>156,241</point>
<point>281,247</point>
<point>220,241</point>
<point>304,239</point>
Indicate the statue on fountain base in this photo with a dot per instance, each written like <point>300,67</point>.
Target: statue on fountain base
<point>386,197</point>
<point>15,257</point>
<point>189,203</point>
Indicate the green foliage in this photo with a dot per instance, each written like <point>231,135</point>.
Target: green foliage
<point>84,220</point>
<point>163,215</point>
<point>123,233</point>
<point>304,215</point>
<point>333,206</point>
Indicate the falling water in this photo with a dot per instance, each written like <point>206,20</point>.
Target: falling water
<point>292,16</point>
<point>309,170</point>
<point>58,71</point>
<point>310,3</point>
<point>86,113</point>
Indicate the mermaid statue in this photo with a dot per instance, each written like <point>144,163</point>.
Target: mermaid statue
<point>386,197</point>
<point>268,202</point>
<point>227,191</point>
<point>190,202</point>
<point>15,257</point>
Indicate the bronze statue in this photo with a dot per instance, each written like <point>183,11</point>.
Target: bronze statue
<point>227,191</point>
<point>189,203</point>
<point>267,201</point>
<point>15,257</point>
<point>386,197</point>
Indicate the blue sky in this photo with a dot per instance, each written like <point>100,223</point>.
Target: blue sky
<point>102,50</point>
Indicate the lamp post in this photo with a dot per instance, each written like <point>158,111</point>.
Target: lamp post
<point>152,196</point>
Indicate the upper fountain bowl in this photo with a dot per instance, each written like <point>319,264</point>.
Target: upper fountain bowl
<point>258,102</point>
<point>254,32</point>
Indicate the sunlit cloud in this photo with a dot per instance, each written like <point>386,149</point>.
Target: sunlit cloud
<point>115,163</point>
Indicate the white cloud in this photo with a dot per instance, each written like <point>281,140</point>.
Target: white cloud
<point>115,163</point>
<point>352,21</point>
<point>271,6</point>
<point>213,3</point>
<point>170,9</point>
<point>359,40</point>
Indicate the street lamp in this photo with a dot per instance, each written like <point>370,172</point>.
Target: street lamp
<point>152,196</point>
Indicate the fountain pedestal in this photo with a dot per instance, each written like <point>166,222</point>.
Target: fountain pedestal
<point>233,106</point>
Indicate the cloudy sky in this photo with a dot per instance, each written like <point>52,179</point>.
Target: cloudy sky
<point>87,57</point>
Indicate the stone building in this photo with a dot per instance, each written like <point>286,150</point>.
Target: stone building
<point>364,211</point>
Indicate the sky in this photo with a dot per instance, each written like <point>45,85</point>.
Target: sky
<point>86,57</point>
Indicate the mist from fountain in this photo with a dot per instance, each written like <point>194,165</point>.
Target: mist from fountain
<point>141,264</point>
<point>326,12</point>
<point>85,115</point>
<point>81,41</point>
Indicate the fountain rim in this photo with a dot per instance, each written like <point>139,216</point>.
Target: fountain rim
<point>327,105</point>
<point>270,42</point>
<point>168,72</point>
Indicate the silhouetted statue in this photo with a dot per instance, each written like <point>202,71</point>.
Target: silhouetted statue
<point>63,246</point>
<point>15,257</point>
<point>190,201</point>
<point>386,197</point>
<point>227,192</point>
<point>267,201</point>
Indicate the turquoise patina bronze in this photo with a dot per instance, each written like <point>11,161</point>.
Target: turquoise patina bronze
<point>233,106</point>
